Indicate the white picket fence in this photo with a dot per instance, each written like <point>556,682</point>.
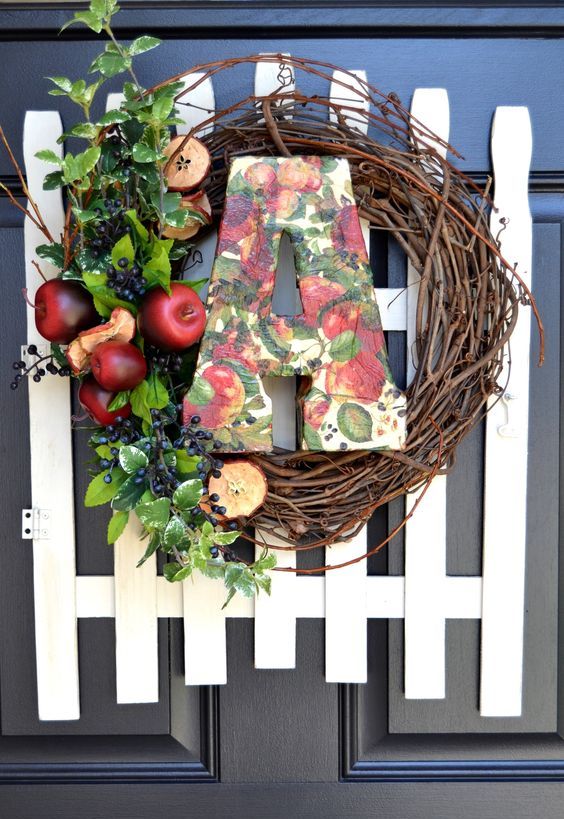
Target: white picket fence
<point>425,597</point>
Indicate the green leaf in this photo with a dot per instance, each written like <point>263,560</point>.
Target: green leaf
<point>264,582</point>
<point>225,538</point>
<point>142,44</point>
<point>154,544</point>
<point>186,464</point>
<point>58,355</point>
<point>121,399</point>
<point>175,572</point>
<point>129,494</point>
<point>214,568</point>
<point>100,492</point>
<point>77,167</point>
<point>142,153</point>
<point>88,18</point>
<point>54,253</point>
<point>140,229</point>
<point>345,346</point>
<point>355,422</point>
<point>174,534</point>
<point>312,439</point>
<point>83,130</point>
<point>112,117</point>
<point>49,156</point>
<point>233,572</point>
<point>154,515</point>
<point>117,524</point>
<point>131,459</point>
<point>53,181</point>
<point>188,494</point>
<point>123,248</point>
<point>245,584</point>
<point>229,597</point>
<point>109,64</point>
<point>266,562</point>
<point>162,108</point>
<point>62,82</point>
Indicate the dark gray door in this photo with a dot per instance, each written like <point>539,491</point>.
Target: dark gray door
<point>285,743</point>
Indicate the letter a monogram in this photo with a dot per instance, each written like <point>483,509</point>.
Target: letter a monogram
<point>348,398</point>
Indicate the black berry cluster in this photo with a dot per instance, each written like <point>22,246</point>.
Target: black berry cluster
<point>126,280</point>
<point>40,368</point>
<point>110,228</point>
<point>162,362</point>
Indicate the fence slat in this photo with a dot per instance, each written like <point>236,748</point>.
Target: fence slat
<point>275,616</point>
<point>425,532</point>
<point>196,106</point>
<point>137,655</point>
<point>345,601</point>
<point>54,565</point>
<point>505,497</point>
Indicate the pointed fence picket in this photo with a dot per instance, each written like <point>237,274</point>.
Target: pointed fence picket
<point>425,597</point>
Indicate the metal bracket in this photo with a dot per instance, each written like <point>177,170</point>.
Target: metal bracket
<point>36,524</point>
<point>508,430</point>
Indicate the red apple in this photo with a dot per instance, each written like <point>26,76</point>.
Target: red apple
<point>62,309</point>
<point>173,322</point>
<point>117,365</point>
<point>95,400</point>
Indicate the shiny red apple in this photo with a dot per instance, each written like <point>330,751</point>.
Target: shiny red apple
<point>62,309</point>
<point>95,400</point>
<point>118,365</point>
<point>173,322</point>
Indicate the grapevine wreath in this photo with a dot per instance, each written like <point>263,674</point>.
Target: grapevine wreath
<point>140,198</point>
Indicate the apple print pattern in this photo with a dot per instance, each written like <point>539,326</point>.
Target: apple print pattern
<point>348,398</point>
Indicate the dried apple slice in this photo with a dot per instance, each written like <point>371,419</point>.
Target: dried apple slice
<point>187,166</point>
<point>202,206</point>
<point>119,327</point>
<point>242,488</point>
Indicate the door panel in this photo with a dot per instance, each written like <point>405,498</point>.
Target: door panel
<point>285,743</point>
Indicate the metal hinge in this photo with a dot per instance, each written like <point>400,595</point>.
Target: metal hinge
<point>508,430</point>
<point>36,524</point>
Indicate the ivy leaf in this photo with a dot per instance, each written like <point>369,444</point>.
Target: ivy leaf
<point>266,562</point>
<point>246,584</point>
<point>154,544</point>
<point>77,167</point>
<point>186,464</point>
<point>345,346</point>
<point>117,524</point>
<point>155,514</point>
<point>131,459</point>
<point>142,153</point>
<point>225,538</point>
<point>174,534</point>
<point>229,597</point>
<point>233,572</point>
<point>54,253</point>
<point>88,18</point>
<point>100,492</point>
<point>264,582</point>
<point>49,156</point>
<point>53,181</point>
<point>162,107</point>
<point>114,117</point>
<point>355,422</point>
<point>214,568</point>
<point>121,399</point>
<point>188,494</point>
<point>123,249</point>
<point>129,494</point>
<point>61,82</point>
<point>143,44</point>
<point>175,572</point>
<point>109,64</point>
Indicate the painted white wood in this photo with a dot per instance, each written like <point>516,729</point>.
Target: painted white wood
<point>505,497</point>
<point>275,617</point>
<point>273,76</point>
<point>54,566</point>
<point>205,647</point>
<point>346,626</point>
<point>137,649</point>
<point>196,106</point>
<point>425,532</point>
<point>462,598</point>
